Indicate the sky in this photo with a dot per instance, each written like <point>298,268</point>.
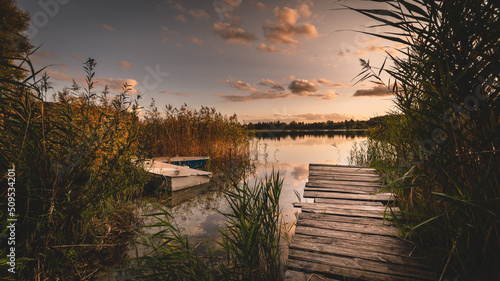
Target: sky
<point>261,60</point>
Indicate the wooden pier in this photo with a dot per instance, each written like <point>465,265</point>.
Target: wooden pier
<point>346,234</point>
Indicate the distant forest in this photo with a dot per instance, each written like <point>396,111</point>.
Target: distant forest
<point>328,125</point>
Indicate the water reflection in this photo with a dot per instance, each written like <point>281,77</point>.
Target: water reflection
<point>196,210</point>
<point>290,154</point>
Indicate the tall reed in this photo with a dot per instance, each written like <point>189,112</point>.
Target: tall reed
<point>70,156</point>
<point>446,88</point>
<point>190,132</point>
<point>251,243</point>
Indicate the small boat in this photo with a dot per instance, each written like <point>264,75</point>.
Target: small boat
<point>174,177</point>
<point>195,162</point>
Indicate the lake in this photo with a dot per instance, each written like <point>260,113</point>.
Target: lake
<point>196,209</point>
<point>288,153</point>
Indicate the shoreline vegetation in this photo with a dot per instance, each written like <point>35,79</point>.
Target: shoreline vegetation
<point>76,181</point>
<point>439,151</point>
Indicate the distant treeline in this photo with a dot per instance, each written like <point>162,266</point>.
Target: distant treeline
<point>328,125</point>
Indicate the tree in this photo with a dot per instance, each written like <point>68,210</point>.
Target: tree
<point>13,43</point>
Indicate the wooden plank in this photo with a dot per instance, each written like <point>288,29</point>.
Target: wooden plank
<point>349,183</point>
<point>347,202</point>
<point>347,250</point>
<point>344,212</point>
<point>345,232</point>
<point>343,273</point>
<point>346,171</point>
<point>295,275</point>
<point>339,195</point>
<point>392,249</point>
<point>319,184</point>
<point>345,177</point>
<point>336,218</point>
<point>366,191</point>
<point>343,184</point>
<point>381,209</point>
<point>375,239</point>
<point>340,167</point>
<point>362,264</point>
<point>342,172</point>
<point>351,227</point>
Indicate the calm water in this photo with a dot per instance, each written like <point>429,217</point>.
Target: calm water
<point>198,218</point>
<point>196,213</point>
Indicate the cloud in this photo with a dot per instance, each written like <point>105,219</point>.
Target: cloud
<point>78,58</point>
<point>125,65</point>
<point>330,95</point>
<point>259,95</point>
<point>303,10</point>
<point>180,18</point>
<point>368,46</point>
<point>314,117</point>
<point>287,28</point>
<point>233,35</point>
<point>59,76</point>
<point>296,88</point>
<point>177,93</point>
<point>198,14</point>
<point>301,86</point>
<point>116,84</point>
<point>197,41</point>
<point>167,33</point>
<point>104,26</point>
<point>242,86</point>
<point>331,83</point>
<point>274,85</point>
<point>376,91</point>
<point>232,3</point>
<point>262,7</point>
<point>272,49</point>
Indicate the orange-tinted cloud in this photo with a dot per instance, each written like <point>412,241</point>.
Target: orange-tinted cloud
<point>314,117</point>
<point>302,86</point>
<point>287,28</point>
<point>242,86</point>
<point>125,65</point>
<point>197,41</point>
<point>116,84</point>
<point>376,91</point>
<point>233,35</point>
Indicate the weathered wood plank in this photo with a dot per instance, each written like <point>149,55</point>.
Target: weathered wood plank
<point>376,240</point>
<point>381,209</point>
<point>345,232</point>
<point>328,182</point>
<point>368,188</point>
<point>341,182</point>
<point>343,273</point>
<point>345,212</point>
<point>391,249</point>
<point>347,202</point>
<point>337,218</point>
<point>339,195</point>
<point>362,264</point>
<point>367,191</point>
<point>341,167</point>
<point>344,177</point>
<point>348,250</point>
<point>351,227</point>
